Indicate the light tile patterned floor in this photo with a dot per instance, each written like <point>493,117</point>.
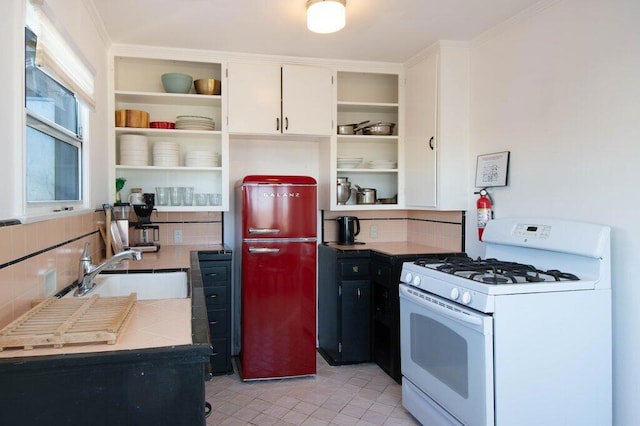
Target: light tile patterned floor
<point>359,394</point>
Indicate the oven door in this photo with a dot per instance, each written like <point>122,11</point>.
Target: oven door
<point>447,354</point>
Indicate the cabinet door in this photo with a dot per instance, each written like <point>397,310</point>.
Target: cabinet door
<point>421,142</point>
<point>254,98</point>
<point>355,322</point>
<point>306,100</point>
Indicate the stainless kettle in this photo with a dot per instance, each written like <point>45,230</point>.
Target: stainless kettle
<point>348,228</point>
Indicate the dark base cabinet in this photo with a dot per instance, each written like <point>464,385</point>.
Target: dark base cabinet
<point>344,306</point>
<point>154,386</point>
<point>385,321</point>
<point>215,269</point>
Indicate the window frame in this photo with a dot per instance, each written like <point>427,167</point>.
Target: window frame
<point>35,209</point>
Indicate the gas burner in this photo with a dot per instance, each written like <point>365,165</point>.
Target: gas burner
<point>437,259</point>
<point>494,271</point>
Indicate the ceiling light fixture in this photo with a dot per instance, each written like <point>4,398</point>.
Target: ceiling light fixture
<point>325,16</point>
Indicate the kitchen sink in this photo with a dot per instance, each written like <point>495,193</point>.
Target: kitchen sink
<point>161,285</point>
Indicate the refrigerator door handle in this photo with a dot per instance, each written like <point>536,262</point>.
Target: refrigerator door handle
<point>263,250</point>
<point>263,231</point>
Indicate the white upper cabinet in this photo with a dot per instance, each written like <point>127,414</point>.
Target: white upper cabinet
<point>437,120</point>
<point>273,99</point>
<point>420,148</point>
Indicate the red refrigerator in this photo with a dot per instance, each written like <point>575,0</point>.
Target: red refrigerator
<point>278,290</point>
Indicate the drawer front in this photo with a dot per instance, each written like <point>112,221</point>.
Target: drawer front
<point>213,256</point>
<point>381,273</point>
<point>218,322</point>
<point>212,274</point>
<point>354,269</point>
<point>221,357</point>
<point>216,296</point>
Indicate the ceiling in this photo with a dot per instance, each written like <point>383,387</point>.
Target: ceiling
<point>376,30</point>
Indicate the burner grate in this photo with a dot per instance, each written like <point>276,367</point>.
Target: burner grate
<point>494,271</point>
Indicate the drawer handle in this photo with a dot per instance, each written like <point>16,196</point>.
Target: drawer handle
<point>211,274</point>
<point>213,296</point>
<point>263,250</point>
<point>213,322</point>
<point>264,231</point>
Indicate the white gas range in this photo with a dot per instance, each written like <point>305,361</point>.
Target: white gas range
<point>520,337</point>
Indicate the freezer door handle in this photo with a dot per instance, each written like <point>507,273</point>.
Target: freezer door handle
<point>263,250</point>
<point>263,231</point>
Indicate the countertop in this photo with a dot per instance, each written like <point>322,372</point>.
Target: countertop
<point>155,323</point>
<point>391,248</point>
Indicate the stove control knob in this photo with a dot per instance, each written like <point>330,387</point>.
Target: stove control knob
<point>466,297</point>
<point>416,281</point>
<point>408,278</point>
<point>455,293</point>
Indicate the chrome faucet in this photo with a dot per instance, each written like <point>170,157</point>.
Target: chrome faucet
<point>88,271</point>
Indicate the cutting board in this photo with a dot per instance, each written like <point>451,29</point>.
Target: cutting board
<point>63,321</point>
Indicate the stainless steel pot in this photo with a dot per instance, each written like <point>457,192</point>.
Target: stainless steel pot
<point>350,129</point>
<point>366,196</point>
<point>378,129</point>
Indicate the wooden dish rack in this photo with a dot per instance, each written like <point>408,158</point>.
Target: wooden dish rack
<point>63,321</point>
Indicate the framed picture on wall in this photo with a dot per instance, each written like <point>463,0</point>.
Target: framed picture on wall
<point>492,169</point>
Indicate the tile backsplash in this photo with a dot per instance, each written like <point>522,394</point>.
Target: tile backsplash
<point>31,252</point>
<point>443,229</point>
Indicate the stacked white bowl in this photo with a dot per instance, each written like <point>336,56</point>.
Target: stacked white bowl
<point>381,164</point>
<point>349,162</point>
<point>134,150</point>
<point>166,154</point>
<point>201,159</point>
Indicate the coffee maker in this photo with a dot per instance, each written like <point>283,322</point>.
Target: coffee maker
<point>149,234</point>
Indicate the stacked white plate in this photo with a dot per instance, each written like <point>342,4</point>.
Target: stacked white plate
<point>381,164</point>
<point>349,162</point>
<point>194,122</point>
<point>166,154</point>
<point>201,159</point>
<point>134,150</point>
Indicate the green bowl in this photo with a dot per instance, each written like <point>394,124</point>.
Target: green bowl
<point>175,82</point>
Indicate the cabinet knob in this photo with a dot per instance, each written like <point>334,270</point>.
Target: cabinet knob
<point>431,143</point>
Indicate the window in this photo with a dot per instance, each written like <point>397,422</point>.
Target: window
<point>59,90</point>
<point>53,135</point>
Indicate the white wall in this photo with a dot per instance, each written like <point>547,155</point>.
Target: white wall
<point>77,20</point>
<point>560,89</point>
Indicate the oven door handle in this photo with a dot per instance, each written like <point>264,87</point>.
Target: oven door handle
<point>433,305</point>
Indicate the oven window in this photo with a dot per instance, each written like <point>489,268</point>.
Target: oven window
<point>447,360</point>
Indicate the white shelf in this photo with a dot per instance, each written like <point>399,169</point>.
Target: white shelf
<point>167,132</point>
<point>372,107</point>
<point>188,208</point>
<point>366,170</point>
<point>160,98</point>
<point>166,169</point>
<point>367,138</point>
<point>352,207</point>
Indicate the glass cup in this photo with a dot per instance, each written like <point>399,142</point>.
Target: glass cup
<point>201,199</point>
<point>187,196</point>
<point>162,196</point>
<point>216,199</point>
<point>176,195</point>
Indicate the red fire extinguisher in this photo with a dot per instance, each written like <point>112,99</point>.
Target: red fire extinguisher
<point>485,214</point>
